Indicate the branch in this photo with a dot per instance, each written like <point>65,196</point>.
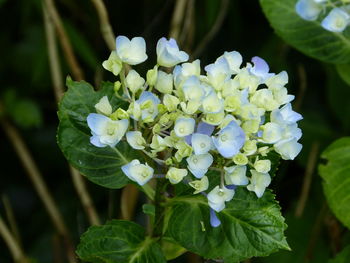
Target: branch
<point>213,31</point>
<point>11,219</point>
<point>58,86</point>
<point>64,40</point>
<point>15,249</point>
<point>39,184</point>
<point>105,26</point>
<point>310,168</point>
<point>176,21</point>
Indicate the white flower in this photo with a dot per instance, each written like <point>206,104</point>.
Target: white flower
<point>229,140</point>
<point>184,126</point>
<point>288,148</point>
<point>113,63</point>
<point>132,51</point>
<point>170,102</point>
<point>336,21</point>
<point>272,132</point>
<point>185,70</point>
<point>106,131</point>
<point>236,175</point>
<point>234,60</point>
<point>264,98</point>
<point>134,81</point>
<point>308,9</point>
<point>103,106</point>
<point>201,143</point>
<point>135,140</point>
<point>192,89</point>
<point>277,81</point>
<point>137,172</point>
<point>158,143</point>
<point>199,164</point>
<point>212,104</point>
<point>218,72</point>
<point>164,83</point>
<point>262,166</point>
<point>200,185</point>
<point>176,175</point>
<point>168,53</point>
<point>149,105</point>
<point>218,196</point>
<point>259,182</point>
<point>214,118</point>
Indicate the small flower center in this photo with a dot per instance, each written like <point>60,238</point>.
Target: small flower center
<point>202,145</point>
<point>208,108</point>
<point>211,118</point>
<point>195,160</point>
<point>182,130</point>
<point>110,130</point>
<point>223,137</point>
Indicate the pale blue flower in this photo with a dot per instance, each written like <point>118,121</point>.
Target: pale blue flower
<point>140,173</point>
<point>152,110</point>
<point>234,60</point>
<point>288,148</point>
<point>308,9</point>
<point>132,51</point>
<point>218,196</point>
<point>336,21</point>
<point>168,53</point>
<point>205,128</point>
<point>229,140</point>
<point>214,220</point>
<point>285,115</point>
<point>184,126</point>
<point>218,72</point>
<point>259,182</point>
<point>105,131</point>
<point>236,175</point>
<point>261,69</point>
<point>201,143</point>
<point>199,164</point>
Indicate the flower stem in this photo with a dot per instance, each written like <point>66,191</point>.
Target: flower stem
<point>159,198</point>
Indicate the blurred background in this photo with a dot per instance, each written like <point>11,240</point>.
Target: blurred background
<point>33,43</point>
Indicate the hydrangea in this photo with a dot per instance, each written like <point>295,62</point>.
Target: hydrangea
<point>334,15</point>
<point>213,132</point>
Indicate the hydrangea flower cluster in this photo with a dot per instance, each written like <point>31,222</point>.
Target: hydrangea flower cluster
<point>227,120</point>
<point>337,13</point>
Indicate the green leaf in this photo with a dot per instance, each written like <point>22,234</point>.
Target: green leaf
<point>119,241</point>
<point>307,36</point>
<point>249,226</point>
<point>338,93</point>
<point>344,72</point>
<point>149,209</point>
<point>171,249</point>
<point>99,165</point>
<point>336,178</point>
<point>342,257</point>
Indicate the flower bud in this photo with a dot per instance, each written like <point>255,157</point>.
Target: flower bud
<point>134,81</point>
<point>262,166</point>
<point>151,76</point>
<point>176,175</point>
<point>164,83</point>
<point>103,106</point>
<point>240,159</point>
